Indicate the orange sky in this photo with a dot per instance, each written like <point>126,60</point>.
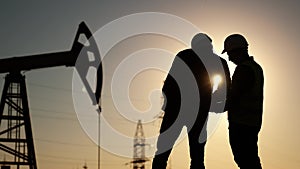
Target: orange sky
<point>271,28</point>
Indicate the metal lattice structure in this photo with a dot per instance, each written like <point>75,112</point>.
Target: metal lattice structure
<point>16,140</point>
<point>139,158</point>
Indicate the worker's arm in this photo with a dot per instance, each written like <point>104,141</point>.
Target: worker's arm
<point>221,95</point>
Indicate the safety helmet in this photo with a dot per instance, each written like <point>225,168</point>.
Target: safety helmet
<point>234,41</point>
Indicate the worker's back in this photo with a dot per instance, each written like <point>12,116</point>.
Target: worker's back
<point>187,88</point>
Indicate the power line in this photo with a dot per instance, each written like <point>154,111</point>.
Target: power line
<point>52,111</point>
<point>50,87</point>
<point>63,143</point>
<point>56,118</point>
<point>78,91</point>
<point>65,158</point>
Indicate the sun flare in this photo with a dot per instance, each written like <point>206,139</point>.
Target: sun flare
<point>217,79</point>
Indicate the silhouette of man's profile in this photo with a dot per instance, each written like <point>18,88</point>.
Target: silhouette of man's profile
<point>245,103</point>
<point>188,93</point>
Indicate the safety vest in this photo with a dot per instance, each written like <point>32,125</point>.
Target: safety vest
<point>249,108</point>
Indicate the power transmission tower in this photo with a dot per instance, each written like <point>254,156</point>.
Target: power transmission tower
<point>139,158</point>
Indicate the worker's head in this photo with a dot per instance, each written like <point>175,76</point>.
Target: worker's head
<point>201,42</point>
<point>236,47</point>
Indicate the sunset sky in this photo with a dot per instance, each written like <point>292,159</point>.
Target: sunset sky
<point>270,26</point>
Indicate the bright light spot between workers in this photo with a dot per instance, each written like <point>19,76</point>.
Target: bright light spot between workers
<point>217,79</point>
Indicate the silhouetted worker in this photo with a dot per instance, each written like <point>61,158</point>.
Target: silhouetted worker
<point>245,104</point>
<point>188,92</point>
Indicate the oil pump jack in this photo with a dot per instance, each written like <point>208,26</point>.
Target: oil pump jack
<point>16,138</point>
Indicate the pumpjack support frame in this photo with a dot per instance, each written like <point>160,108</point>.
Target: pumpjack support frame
<point>16,138</point>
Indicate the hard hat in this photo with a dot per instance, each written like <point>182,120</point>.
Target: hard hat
<point>234,41</point>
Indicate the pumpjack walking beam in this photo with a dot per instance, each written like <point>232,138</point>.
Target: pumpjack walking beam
<point>46,60</point>
<point>16,138</point>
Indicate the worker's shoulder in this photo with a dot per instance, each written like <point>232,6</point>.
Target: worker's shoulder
<point>185,52</point>
<point>251,63</point>
<point>243,69</point>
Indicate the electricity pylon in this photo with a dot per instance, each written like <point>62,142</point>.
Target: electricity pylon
<point>139,144</point>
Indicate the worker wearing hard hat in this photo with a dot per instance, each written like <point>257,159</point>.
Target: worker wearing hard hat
<point>245,104</point>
